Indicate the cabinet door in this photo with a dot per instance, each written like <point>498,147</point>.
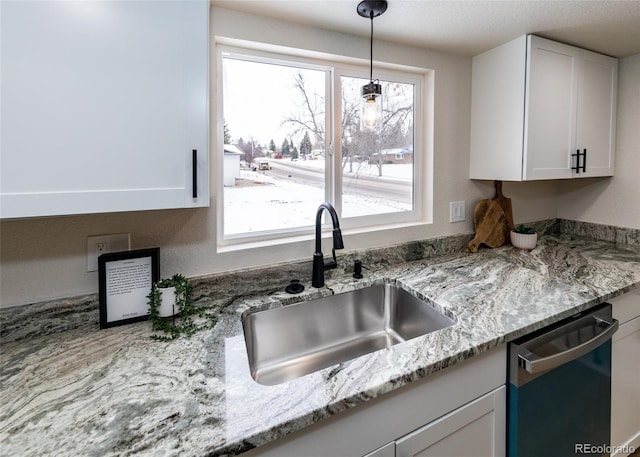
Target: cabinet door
<point>550,117</point>
<point>102,105</point>
<point>597,95</point>
<point>625,366</point>
<point>625,389</point>
<point>477,429</point>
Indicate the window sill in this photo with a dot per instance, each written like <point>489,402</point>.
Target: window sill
<point>367,237</point>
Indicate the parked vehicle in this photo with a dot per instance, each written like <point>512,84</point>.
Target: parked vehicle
<point>261,164</point>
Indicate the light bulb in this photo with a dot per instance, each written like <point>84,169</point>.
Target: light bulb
<point>370,115</point>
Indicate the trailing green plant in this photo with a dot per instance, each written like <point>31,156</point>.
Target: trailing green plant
<point>524,229</point>
<point>183,323</point>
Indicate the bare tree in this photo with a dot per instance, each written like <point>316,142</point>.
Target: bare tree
<point>250,148</point>
<point>357,146</point>
<point>310,117</point>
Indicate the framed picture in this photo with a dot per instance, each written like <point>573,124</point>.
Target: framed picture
<point>125,281</point>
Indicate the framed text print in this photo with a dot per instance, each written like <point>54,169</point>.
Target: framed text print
<point>125,281</point>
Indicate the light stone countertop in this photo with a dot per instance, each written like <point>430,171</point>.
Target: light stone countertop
<point>118,392</point>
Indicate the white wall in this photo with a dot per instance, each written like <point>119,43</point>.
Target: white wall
<point>43,259</point>
<point>613,201</point>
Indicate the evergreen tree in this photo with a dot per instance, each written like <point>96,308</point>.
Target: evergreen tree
<point>227,134</point>
<point>272,146</point>
<point>305,145</point>
<point>285,149</point>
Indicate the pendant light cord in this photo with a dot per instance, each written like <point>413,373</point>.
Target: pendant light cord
<point>371,50</point>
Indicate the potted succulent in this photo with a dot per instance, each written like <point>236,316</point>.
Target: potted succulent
<point>524,237</point>
<point>172,312</point>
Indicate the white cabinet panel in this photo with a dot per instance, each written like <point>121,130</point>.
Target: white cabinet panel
<point>497,112</point>
<point>625,386</point>
<point>476,429</point>
<point>625,373</point>
<point>102,106</point>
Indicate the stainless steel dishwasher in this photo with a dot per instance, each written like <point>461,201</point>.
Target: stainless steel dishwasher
<point>559,397</point>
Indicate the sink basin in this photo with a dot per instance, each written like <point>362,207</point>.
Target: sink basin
<point>292,341</point>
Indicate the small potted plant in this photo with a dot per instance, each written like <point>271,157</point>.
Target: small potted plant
<point>524,237</point>
<point>172,312</point>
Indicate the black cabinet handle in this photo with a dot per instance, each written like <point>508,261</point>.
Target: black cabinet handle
<point>194,169</point>
<point>577,155</point>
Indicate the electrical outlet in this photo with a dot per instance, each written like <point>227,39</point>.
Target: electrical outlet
<point>104,244</point>
<point>101,248</point>
<point>456,211</point>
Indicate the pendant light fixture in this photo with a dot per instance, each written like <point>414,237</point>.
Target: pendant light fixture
<point>371,103</point>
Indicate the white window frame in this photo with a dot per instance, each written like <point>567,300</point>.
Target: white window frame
<point>336,67</point>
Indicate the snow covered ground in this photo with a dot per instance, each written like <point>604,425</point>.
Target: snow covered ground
<point>263,202</point>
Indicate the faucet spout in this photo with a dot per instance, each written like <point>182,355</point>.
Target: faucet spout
<point>319,265</point>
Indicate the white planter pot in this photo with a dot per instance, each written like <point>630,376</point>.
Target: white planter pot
<point>167,302</point>
<point>524,240</point>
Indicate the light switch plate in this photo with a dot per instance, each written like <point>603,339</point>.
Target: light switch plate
<point>456,211</point>
<point>103,244</point>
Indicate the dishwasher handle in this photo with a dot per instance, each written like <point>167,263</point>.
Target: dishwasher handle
<point>534,364</point>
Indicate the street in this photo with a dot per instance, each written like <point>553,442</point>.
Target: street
<point>380,187</point>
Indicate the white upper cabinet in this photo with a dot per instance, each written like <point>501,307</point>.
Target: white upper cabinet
<point>542,110</point>
<point>103,104</point>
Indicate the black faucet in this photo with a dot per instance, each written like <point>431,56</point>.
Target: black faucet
<point>319,265</point>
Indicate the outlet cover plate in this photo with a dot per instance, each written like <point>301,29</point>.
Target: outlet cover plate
<point>104,244</point>
<point>456,211</point>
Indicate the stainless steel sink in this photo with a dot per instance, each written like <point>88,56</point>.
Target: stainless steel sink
<point>288,342</point>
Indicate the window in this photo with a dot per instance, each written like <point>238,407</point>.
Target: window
<point>292,140</point>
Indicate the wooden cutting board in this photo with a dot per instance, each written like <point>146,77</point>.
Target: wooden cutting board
<point>490,224</point>
<point>505,204</point>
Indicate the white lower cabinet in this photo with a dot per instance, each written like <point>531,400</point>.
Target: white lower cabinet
<point>476,429</point>
<point>463,407</point>
<point>625,375</point>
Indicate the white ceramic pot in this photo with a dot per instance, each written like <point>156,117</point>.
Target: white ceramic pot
<point>524,240</point>
<point>167,302</point>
